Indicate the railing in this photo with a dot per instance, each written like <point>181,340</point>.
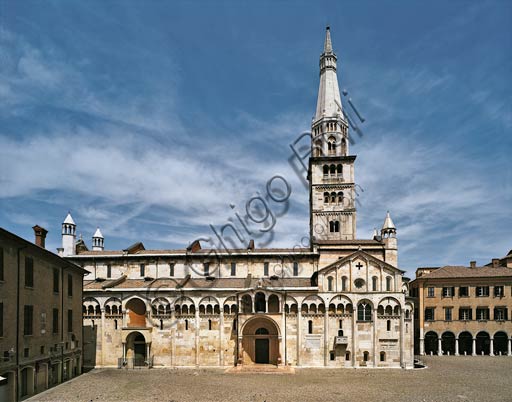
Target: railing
<point>135,362</point>
<point>340,340</point>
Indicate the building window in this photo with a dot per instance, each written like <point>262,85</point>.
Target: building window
<point>482,313</point>
<point>329,284</point>
<point>465,314</point>
<point>463,291</point>
<point>310,327</point>
<point>206,268</point>
<point>448,313</point>
<point>429,314</point>
<point>500,313</point>
<point>265,268</point>
<point>171,269</point>
<point>430,291</point>
<point>326,171</point>
<point>359,283</point>
<point>70,320</point>
<point>142,270</point>
<point>364,312</point>
<point>374,284</point>
<point>28,317</point>
<point>233,269</point>
<point>56,281</point>
<point>347,356</point>
<point>326,198</point>
<point>295,269</point>
<point>109,271</point>
<point>161,325</point>
<point>55,321</point>
<point>482,291</point>
<point>209,325</point>
<point>186,325</point>
<point>1,264</point>
<point>332,355</point>
<point>339,170</point>
<point>29,272</point>
<point>388,325</point>
<point>366,356</point>
<point>382,356</point>
<point>498,291</point>
<point>344,284</point>
<point>388,284</point>
<point>448,291</point>
<point>26,353</point>
<point>70,285</point>
<point>334,226</point>
<point>115,324</point>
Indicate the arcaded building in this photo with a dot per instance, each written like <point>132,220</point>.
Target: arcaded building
<point>40,317</point>
<point>464,310</point>
<point>339,302</point>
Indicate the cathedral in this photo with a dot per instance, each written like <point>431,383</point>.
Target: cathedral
<point>340,302</point>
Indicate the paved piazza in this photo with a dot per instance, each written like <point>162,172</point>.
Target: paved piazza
<point>477,379</point>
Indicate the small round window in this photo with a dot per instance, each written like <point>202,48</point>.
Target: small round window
<point>359,283</point>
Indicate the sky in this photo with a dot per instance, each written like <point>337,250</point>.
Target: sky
<point>159,120</point>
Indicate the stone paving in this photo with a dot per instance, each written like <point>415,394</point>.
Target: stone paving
<point>447,378</point>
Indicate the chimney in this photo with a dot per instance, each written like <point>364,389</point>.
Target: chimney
<point>495,262</point>
<point>472,264</point>
<point>40,235</point>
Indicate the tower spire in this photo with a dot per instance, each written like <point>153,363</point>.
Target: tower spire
<point>328,43</point>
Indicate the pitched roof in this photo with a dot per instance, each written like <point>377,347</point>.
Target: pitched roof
<point>193,283</point>
<point>455,271</point>
<point>363,254</point>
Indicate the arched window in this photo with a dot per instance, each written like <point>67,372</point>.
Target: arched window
<point>318,148</point>
<point>332,170</point>
<point>259,302</point>
<point>382,356</point>
<point>336,226</point>
<point>388,284</point>
<point>340,198</point>
<point>364,312</point>
<point>339,170</point>
<point>310,327</point>
<point>326,170</point>
<point>331,145</point>
<point>344,284</point>
<point>261,331</point>
<point>374,284</point>
<point>407,314</point>
<point>333,197</point>
<point>326,198</point>
<point>329,283</point>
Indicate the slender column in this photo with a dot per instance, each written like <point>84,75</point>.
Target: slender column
<point>299,333</point>
<point>402,336</point>
<point>439,347</point>
<point>124,323</point>
<point>124,352</point>
<point>103,336</point>
<point>491,351</point>
<point>326,337</point>
<point>148,350</point>
<point>474,347</point>
<point>509,348</point>
<point>422,347</point>
<point>174,325</point>
<point>375,340</point>
<point>354,336</point>
<point>283,336</point>
<point>221,338</point>
<point>197,337</point>
<point>456,346</point>
<point>411,339</point>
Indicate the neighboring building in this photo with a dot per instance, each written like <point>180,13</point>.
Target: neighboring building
<point>464,310</point>
<point>342,302</point>
<point>40,317</point>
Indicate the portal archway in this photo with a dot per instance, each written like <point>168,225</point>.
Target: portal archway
<point>136,348</point>
<point>260,341</point>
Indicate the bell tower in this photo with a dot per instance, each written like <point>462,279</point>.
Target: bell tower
<point>331,168</point>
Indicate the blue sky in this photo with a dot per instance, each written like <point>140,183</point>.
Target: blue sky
<point>149,119</point>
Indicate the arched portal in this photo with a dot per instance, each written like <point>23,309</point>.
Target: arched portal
<point>260,341</point>
<point>431,343</point>
<point>500,343</point>
<point>136,348</point>
<point>448,343</point>
<point>465,343</point>
<point>483,343</point>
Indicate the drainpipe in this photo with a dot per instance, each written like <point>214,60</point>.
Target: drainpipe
<point>16,388</point>
<point>237,324</point>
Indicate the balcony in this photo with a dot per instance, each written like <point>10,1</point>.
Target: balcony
<point>340,340</point>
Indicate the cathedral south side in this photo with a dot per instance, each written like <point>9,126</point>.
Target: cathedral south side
<point>341,302</point>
